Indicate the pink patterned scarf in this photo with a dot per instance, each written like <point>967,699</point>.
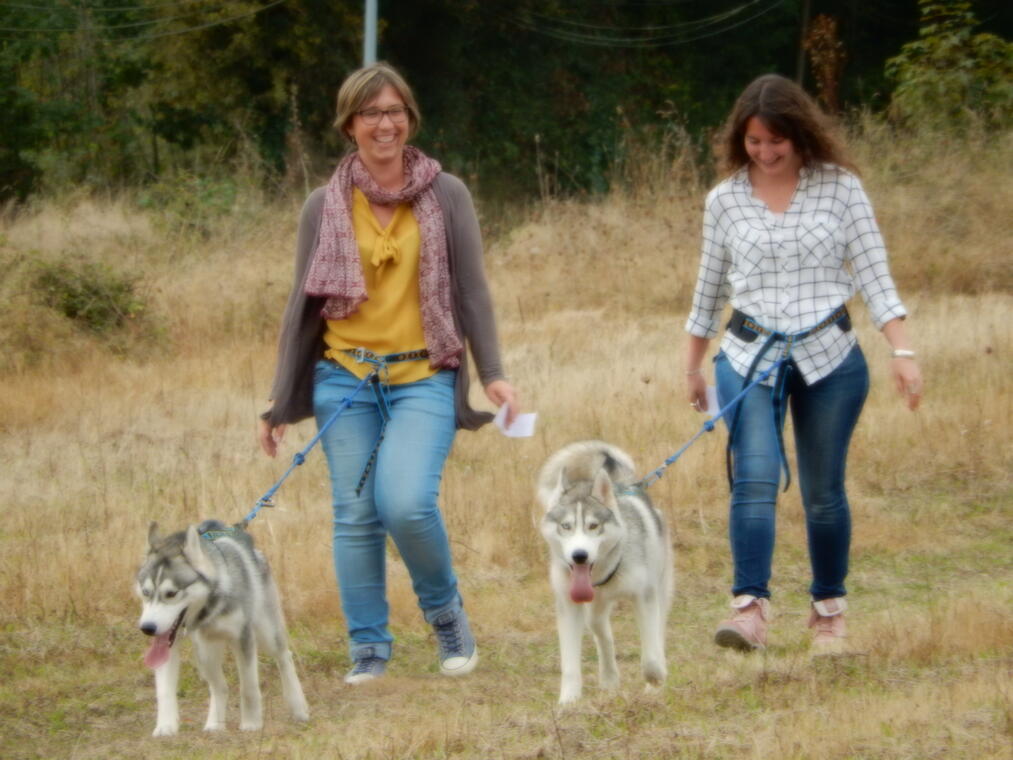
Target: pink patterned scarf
<point>336,270</point>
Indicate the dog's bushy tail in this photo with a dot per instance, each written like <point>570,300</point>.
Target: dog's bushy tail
<point>582,461</point>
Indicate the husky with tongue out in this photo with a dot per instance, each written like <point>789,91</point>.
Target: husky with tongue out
<point>607,542</point>
<point>210,583</point>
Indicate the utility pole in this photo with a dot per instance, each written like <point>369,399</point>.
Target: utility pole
<point>800,62</point>
<point>369,34</point>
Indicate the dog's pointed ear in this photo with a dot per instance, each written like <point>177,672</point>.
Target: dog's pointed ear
<point>564,480</point>
<point>602,489</point>
<point>552,498</point>
<point>194,553</point>
<point>154,537</point>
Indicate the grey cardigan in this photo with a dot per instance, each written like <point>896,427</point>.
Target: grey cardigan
<point>301,343</point>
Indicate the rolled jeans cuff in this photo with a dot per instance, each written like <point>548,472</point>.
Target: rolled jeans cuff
<point>455,606</point>
<point>358,649</point>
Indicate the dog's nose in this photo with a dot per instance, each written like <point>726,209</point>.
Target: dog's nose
<point>148,629</point>
<point>579,556</point>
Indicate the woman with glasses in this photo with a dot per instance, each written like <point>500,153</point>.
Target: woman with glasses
<point>389,286</point>
<point>788,237</point>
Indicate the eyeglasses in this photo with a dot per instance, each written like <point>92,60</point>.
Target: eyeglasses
<point>373,116</point>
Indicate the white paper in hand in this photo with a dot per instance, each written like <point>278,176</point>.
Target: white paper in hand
<point>523,427</point>
<point>713,407</point>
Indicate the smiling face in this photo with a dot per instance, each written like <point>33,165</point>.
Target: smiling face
<point>383,143</point>
<point>772,154</point>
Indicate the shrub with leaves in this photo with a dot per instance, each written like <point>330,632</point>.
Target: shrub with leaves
<point>188,203</point>
<point>950,74</point>
<point>91,295</point>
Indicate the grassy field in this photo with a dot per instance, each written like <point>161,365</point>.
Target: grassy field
<point>102,432</point>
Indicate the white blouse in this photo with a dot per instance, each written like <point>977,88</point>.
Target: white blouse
<point>790,271</point>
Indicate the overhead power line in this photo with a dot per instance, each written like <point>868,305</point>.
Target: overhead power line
<point>169,33</point>
<point>102,9</point>
<point>127,25</point>
<point>229,20</point>
<point>682,26</point>
<point>621,37</point>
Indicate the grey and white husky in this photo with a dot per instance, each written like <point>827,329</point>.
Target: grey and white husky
<point>607,542</point>
<point>210,582</point>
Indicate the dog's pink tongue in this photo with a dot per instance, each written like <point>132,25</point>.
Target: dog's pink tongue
<point>580,583</point>
<point>158,653</point>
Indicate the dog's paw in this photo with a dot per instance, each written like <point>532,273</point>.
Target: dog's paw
<point>609,680</point>
<point>213,725</point>
<point>298,707</point>
<point>166,729</point>
<point>655,673</point>
<point>251,725</point>
<point>569,696</point>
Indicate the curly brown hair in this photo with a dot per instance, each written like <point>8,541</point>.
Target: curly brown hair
<point>786,110</point>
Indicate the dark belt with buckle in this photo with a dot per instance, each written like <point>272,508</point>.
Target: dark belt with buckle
<point>746,329</point>
<point>379,378</point>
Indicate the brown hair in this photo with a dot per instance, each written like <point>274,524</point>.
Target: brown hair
<point>787,111</point>
<point>364,84</point>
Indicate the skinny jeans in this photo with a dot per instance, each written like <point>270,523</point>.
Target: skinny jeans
<point>824,416</point>
<point>399,497</point>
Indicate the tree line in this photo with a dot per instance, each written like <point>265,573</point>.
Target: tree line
<point>111,94</point>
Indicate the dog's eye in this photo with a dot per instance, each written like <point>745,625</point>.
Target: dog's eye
<point>592,526</point>
<point>145,593</point>
<point>170,594</point>
<point>566,526</point>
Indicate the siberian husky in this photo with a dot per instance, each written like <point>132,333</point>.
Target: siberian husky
<point>210,582</point>
<point>607,542</point>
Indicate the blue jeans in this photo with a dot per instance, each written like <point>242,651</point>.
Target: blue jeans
<point>823,415</point>
<point>399,498</point>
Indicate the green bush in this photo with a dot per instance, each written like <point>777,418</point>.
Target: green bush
<point>91,295</point>
<point>949,74</point>
<point>189,204</point>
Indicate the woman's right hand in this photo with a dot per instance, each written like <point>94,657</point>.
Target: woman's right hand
<point>696,383</point>
<point>270,437</point>
<point>502,392</point>
<point>696,391</point>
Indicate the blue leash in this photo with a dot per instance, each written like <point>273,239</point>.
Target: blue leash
<point>378,377</point>
<point>708,426</point>
<point>839,315</point>
<point>300,457</point>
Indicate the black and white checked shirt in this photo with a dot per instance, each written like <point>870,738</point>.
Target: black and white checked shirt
<point>789,271</point>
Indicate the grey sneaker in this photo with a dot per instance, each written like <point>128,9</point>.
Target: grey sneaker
<point>366,667</point>
<point>458,653</point>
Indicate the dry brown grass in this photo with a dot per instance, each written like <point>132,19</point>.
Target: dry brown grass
<point>591,298</point>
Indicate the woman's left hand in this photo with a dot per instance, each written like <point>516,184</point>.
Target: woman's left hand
<point>907,378</point>
<point>501,392</point>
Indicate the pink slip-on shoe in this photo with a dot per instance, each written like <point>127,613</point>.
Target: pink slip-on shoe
<point>827,623</point>
<point>746,629</point>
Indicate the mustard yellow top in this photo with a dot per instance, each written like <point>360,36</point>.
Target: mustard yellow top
<point>390,319</point>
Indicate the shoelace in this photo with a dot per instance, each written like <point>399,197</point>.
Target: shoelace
<point>824,625</point>
<point>748,614</point>
<point>449,635</point>
<point>366,665</point>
